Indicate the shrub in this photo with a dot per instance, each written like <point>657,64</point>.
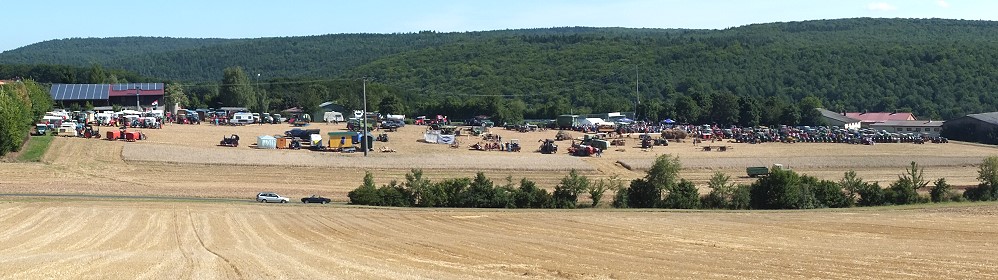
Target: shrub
<point>480,193</point>
<point>721,192</point>
<point>528,195</point>
<point>597,189</point>
<point>395,195</point>
<point>829,194</point>
<point>987,173</point>
<point>851,184</point>
<point>782,189</point>
<point>683,196</point>
<point>905,189</point>
<point>940,191</point>
<point>642,194</point>
<point>366,194</point>
<point>981,192</point>
<point>566,194</point>
<point>871,195</point>
<point>742,197</point>
<point>647,192</point>
<point>620,197</point>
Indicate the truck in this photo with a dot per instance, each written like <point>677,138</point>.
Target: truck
<point>756,171</point>
<point>566,121</point>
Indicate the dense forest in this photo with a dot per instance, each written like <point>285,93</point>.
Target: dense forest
<point>755,74</point>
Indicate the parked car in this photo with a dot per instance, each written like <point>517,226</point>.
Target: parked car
<point>271,197</point>
<point>315,199</point>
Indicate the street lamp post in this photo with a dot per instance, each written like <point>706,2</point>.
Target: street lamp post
<point>364,135</point>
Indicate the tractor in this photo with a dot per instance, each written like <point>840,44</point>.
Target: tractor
<point>231,141</point>
<point>549,147</point>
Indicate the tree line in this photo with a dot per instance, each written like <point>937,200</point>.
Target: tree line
<point>21,105</point>
<point>663,188</point>
<point>757,74</point>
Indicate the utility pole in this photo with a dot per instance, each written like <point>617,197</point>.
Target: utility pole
<point>637,92</point>
<point>137,89</point>
<point>363,137</point>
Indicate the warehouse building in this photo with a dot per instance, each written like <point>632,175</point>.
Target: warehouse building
<point>125,95</point>
<point>980,128</point>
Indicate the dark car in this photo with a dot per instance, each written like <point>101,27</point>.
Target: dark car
<point>315,199</point>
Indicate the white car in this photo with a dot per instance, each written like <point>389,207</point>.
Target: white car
<point>271,197</point>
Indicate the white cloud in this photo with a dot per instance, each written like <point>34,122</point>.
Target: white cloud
<point>881,6</point>
<point>943,3</point>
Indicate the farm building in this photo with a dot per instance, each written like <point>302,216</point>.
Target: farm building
<point>981,128</point>
<point>931,128</point>
<point>836,119</point>
<point>867,119</point>
<point>124,95</point>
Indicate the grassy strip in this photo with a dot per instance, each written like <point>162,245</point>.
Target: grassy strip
<point>36,148</point>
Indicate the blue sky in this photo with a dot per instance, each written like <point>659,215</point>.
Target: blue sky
<point>28,22</point>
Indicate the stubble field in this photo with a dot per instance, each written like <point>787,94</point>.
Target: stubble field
<point>93,237</point>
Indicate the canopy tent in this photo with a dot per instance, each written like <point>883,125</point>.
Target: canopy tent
<point>670,121</point>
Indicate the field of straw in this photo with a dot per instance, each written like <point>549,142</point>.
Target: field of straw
<point>183,240</point>
<point>48,236</point>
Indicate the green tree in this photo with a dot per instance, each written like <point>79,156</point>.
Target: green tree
<point>751,113</point>
<point>726,108</point>
<point>235,89</point>
<point>683,195</point>
<point>851,184</point>
<point>662,176</point>
<point>566,193</point>
<point>809,114</point>
<point>721,193</point>
<point>687,110</point>
<point>940,191</point>
<point>175,95</point>
<point>987,173</point>
<point>392,104</point>
<point>905,189</point>
<point>366,194</point>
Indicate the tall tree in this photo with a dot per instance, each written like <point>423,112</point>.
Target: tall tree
<point>175,95</point>
<point>687,110</point>
<point>235,89</point>
<point>392,104</point>
<point>809,114</point>
<point>726,108</point>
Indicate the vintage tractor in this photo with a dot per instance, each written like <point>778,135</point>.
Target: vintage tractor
<point>549,147</point>
<point>231,141</point>
<point>89,131</point>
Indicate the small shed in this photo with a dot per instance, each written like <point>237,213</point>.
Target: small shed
<point>266,142</point>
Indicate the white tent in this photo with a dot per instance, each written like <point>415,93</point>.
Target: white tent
<point>592,121</point>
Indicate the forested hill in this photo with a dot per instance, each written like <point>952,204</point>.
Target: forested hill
<point>280,57</point>
<point>88,51</point>
<point>936,68</point>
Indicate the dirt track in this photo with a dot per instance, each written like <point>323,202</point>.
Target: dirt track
<point>127,240</point>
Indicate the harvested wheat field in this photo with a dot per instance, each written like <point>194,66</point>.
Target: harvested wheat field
<point>190,240</point>
<point>161,237</point>
<point>185,161</point>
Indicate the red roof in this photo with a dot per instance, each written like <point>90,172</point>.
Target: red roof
<point>881,117</point>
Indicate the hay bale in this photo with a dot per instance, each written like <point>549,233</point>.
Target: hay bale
<point>674,134</point>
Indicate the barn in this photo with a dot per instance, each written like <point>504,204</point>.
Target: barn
<point>840,120</point>
<point>125,95</point>
<point>980,128</point>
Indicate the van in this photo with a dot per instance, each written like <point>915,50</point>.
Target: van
<point>241,118</point>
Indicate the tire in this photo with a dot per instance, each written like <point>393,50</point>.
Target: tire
<point>284,201</point>
<point>261,200</point>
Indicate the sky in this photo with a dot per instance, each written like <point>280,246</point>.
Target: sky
<point>28,22</point>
